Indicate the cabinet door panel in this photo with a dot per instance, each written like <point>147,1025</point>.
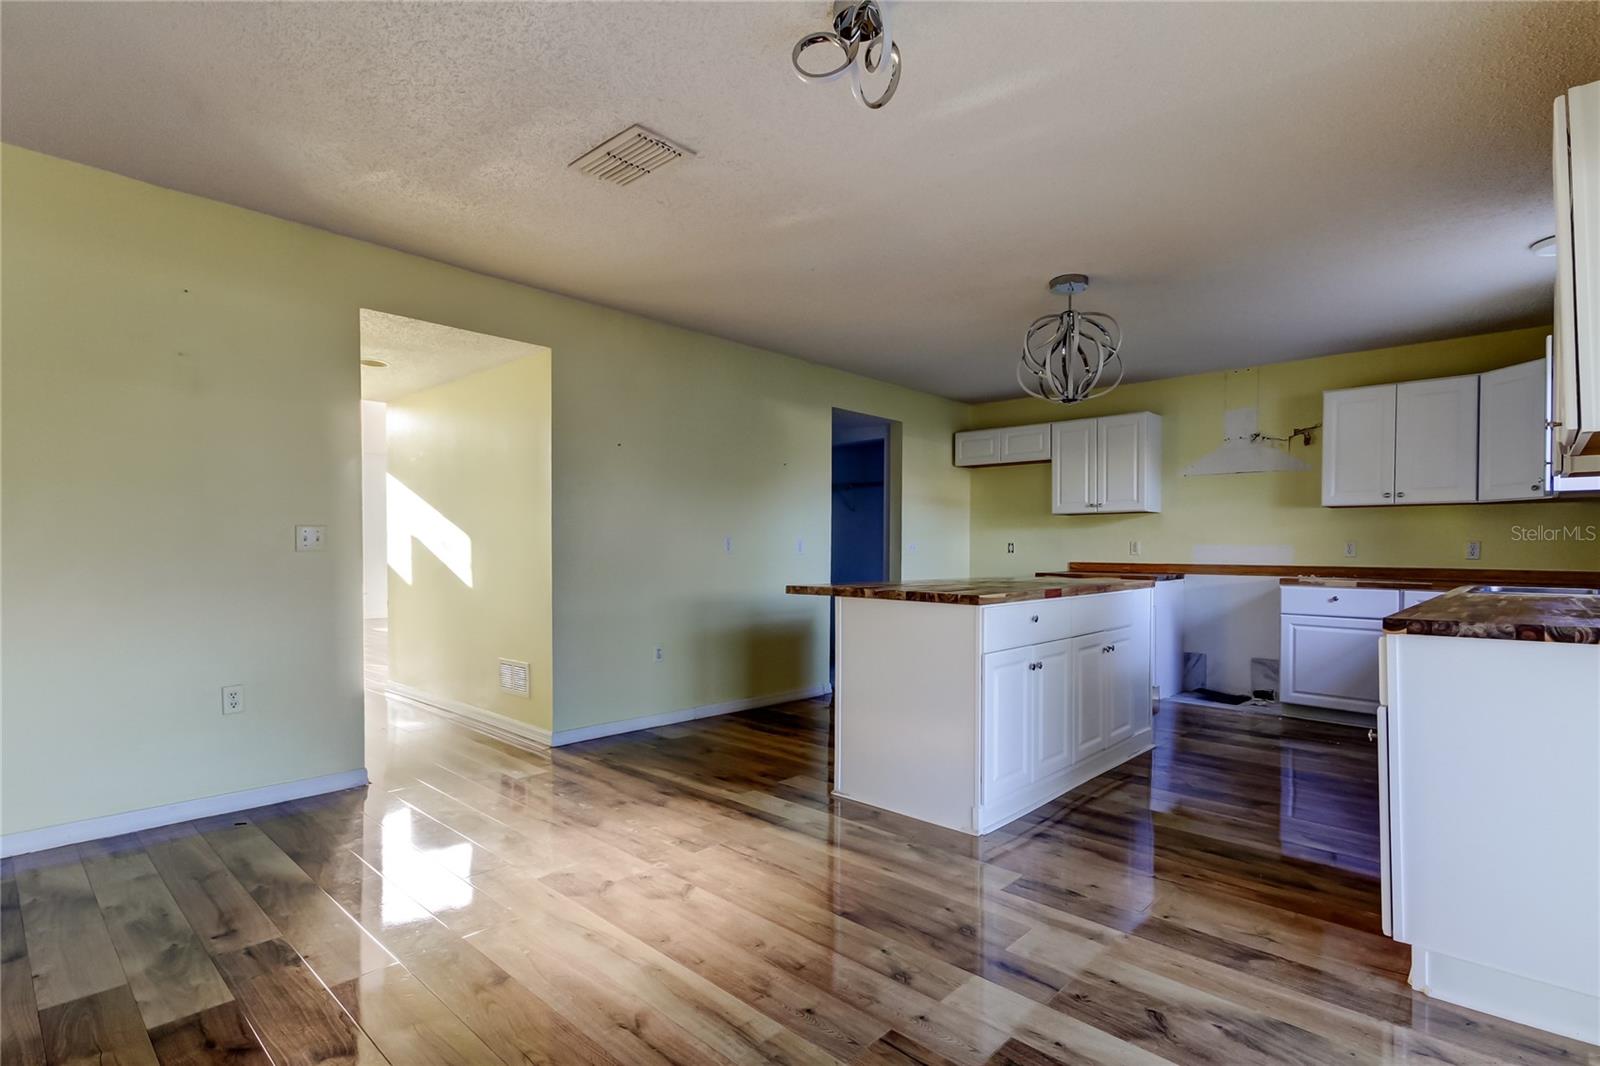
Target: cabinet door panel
<point>1074,469</point>
<point>1053,723</point>
<point>1124,681</point>
<point>978,447</point>
<point>1330,662</point>
<point>1025,444</point>
<point>1436,441</point>
<point>1358,427</point>
<point>1008,698</point>
<point>1121,463</point>
<point>1088,682</point>
<point>1513,437</point>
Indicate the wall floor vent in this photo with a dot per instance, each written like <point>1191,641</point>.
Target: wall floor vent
<point>514,677</point>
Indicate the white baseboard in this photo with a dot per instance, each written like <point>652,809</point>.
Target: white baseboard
<point>492,723</point>
<point>523,735</point>
<point>111,825</point>
<point>1565,1011</point>
<point>687,714</point>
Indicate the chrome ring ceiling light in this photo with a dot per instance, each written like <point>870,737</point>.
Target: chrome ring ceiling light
<point>1065,355</point>
<point>861,34</point>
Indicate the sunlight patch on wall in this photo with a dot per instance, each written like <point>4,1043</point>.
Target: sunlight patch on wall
<point>410,517</point>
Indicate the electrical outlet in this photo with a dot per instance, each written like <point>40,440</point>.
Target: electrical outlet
<point>1474,549</point>
<point>1134,547</point>
<point>232,699</point>
<point>660,655</point>
<point>308,538</point>
<point>1349,549</point>
<point>727,545</point>
<point>1011,548</point>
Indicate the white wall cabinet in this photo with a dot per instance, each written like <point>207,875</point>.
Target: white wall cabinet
<point>1109,465</point>
<point>1358,446</point>
<point>1513,433</point>
<point>1576,349</point>
<point>1414,442</point>
<point>1436,440</point>
<point>1008,444</point>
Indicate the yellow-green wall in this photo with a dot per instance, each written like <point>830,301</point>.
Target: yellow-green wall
<point>476,450</point>
<point>1255,511</point>
<point>181,389</point>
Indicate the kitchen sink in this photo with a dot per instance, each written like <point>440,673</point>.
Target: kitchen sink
<point>1533,590</point>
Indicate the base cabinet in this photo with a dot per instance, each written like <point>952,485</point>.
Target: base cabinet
<point>1053,707</point>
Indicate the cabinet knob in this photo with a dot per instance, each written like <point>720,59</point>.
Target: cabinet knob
<point>1534,486</point>
<point>1386,495</point>
<point>1398,495</point>
<point>1333,599</point>
<point>1035,618</point>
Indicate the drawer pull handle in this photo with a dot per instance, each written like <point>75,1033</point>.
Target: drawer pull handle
<point>1333,599</point>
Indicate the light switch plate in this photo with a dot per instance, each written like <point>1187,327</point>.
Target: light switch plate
<point>1349,549</point>
<point>309,538</point>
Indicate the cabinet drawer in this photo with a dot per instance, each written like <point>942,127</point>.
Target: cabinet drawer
<point>1108,610</point>
<point>1334,602</point>
<point>1012,625</point>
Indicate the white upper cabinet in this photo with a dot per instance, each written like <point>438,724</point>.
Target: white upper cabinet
<point>1009,444</point>
<point>1106,465</point>
<point>1513,442</point>
<point>1358,440</point>
<point>1576,375</point>
<point>1075,468</point>
<point>1436,440</point>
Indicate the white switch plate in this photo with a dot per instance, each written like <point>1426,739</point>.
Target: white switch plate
<point>1474,549</point>
<point>1134,547</point>
<point>232,699</point>
<point>660,655</point>
<point>727,545</point>
<point>309,538</point>
<point>1349,549</point>
<point>800,546</point>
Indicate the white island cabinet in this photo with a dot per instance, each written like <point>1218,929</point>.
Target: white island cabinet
<point>971,710</point>
<point>1489,800</point>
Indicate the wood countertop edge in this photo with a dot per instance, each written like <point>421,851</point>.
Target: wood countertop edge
<point>1418,576</point>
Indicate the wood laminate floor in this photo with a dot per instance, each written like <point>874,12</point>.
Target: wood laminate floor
<point>692,894</point>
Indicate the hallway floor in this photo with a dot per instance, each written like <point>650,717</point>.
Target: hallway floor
<point>692,894</point>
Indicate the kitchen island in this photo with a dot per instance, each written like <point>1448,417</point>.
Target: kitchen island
<point>970,703</point>
<point>1488,748</point>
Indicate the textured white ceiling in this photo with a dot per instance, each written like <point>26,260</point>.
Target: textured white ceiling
<point>424,354</point>
<point>1246,183</point>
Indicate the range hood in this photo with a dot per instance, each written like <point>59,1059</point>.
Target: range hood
<point>1244,450</point>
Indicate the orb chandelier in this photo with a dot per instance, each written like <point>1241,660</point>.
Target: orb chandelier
<point>861,35</point>
<point>1067,357</point>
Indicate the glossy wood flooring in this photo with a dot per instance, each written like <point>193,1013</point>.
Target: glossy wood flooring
<point>692,895</point>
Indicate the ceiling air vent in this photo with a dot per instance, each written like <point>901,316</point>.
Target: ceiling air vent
<point>629,156</point>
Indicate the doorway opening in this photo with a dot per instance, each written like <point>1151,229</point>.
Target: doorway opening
<point>866,503</point>
<point>456,529</point>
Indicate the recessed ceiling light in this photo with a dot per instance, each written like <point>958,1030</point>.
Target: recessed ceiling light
<point>376,364</point>
<point>1545,247</point>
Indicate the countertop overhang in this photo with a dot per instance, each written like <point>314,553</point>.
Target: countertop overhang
<point>1502,616</point>
<point>976,592</point>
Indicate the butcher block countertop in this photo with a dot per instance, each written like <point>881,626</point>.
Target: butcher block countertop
<point>1385,576</point>
<point>1572,619</point>
<point>978,591</point>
